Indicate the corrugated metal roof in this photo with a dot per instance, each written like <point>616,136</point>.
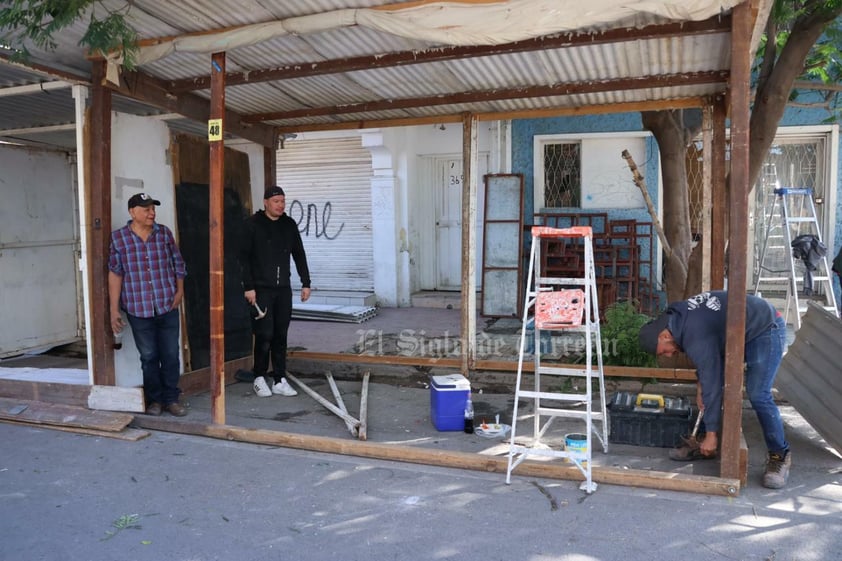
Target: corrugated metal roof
<point>309,99</point>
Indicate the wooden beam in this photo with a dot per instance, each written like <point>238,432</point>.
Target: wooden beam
<point>147,89</point>
<point>350,422</point>
<point>44,413</point>
<point>65,394</point>
<point>216,221</point>
<point>99,228</point>
<point>719,196</point>
<point>270,167</point>
<point>676,374</point>
<point>363,432</point>
<point>352,427</point>
<point>443,54</point>
<point>741,57</point>
<point>554,90</point>
<point>666,481</point>
<point>128,434</point>
<point>636,106</point>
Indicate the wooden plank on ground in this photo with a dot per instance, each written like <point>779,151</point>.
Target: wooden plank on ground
<point>116,398</point>
<point>364,407</point>
<point>668,481</point>
<point>67,394</point>
<point>42,413</point>
<point>129,433</point>
<point>352,427</point>
<point>328,405</point>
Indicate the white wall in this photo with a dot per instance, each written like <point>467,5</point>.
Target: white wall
<point>403,219</point>
<point>140,162</point>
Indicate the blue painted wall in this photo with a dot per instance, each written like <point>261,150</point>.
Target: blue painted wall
<point>523,132</point>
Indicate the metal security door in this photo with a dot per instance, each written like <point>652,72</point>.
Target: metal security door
<point>39,246</point>
<point>328,193</point>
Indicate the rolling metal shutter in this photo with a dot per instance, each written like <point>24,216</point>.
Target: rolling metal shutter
<point>328,193</point>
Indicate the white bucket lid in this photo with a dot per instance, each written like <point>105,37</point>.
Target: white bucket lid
<point>451,382</point>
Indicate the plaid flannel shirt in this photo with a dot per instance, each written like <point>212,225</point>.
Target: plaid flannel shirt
<point>149,269</point>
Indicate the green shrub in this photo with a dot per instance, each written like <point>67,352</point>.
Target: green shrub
<point>619,336</point>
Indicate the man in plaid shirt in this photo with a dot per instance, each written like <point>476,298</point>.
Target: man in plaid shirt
<point>146,280</point>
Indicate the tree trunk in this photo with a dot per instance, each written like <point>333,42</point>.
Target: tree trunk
<point>668,129</point>
<point>773,92</point>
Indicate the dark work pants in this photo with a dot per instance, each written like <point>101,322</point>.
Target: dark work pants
<point>157,342</point>
<point>270,333</point>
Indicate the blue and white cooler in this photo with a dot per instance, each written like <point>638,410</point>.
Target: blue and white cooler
<point>448,395</point>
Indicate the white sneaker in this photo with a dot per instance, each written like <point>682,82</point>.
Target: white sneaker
<point>283,388</point>
<point>261,388</point>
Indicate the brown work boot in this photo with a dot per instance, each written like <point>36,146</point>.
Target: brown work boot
<point>154,409</point>
<point>777,470</point>
<point>175,409</point>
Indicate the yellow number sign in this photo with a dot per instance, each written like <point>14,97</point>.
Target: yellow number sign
<point>214,130</point>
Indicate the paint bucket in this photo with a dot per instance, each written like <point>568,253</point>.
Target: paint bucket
<point>576,443</point>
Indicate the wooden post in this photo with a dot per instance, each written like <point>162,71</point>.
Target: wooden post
<point>270,167</point>
<point>99,223</point>
<point>217,236</point>
<point>738,240</point>
<point>469,242</point>
<point>363,433</point>
<point>718,196</point>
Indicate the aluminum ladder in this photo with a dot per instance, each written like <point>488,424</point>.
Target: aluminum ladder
<point>552,305</point>
<point>792,214</point>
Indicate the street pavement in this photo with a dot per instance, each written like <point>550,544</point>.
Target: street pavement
<point>173,497</point>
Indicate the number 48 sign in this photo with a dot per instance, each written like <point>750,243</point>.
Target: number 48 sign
<point>214,130</point>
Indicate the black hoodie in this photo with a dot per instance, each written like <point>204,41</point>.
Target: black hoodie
<point>266,251</point>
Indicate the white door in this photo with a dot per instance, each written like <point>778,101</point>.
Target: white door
<point>794,160</point>
<point>38,250</point>
<point>449,184</point>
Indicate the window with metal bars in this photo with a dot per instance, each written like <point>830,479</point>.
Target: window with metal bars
<point>562,175</point>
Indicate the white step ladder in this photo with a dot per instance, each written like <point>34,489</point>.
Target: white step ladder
<point>793,214</point>
<point>552,305</point>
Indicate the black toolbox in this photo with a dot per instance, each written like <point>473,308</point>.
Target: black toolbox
<point>649,419</point>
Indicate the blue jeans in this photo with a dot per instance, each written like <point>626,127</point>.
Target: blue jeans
<point>763,356</point>
<point>157,341</point>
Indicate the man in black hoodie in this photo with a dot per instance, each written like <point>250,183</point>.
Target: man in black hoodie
<point>270,239</point>
<point>697,327</point>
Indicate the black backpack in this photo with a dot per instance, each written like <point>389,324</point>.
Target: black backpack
<point>810,249</point>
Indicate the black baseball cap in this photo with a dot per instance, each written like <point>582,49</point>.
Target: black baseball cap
<point>273,191</point>
<point>142,199</point>
<point>648,336</point>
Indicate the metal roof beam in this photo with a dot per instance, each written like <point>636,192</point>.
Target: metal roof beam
<point>559,41</point>
<point>593,86</point>
<point>34,88</point>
